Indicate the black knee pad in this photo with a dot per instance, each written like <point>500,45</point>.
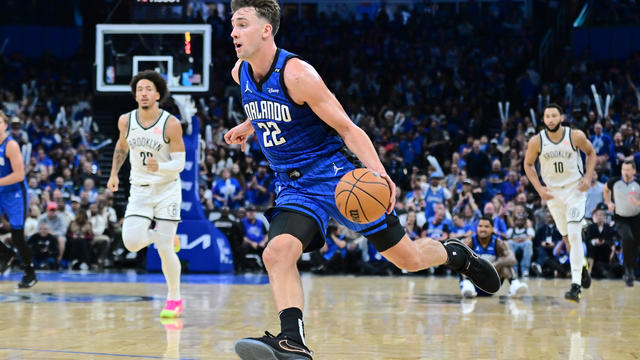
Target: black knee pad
<point>303,227</point>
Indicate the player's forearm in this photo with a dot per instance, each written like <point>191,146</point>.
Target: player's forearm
<point>591,165</point>
<point>12,178</point>
<point>359,143</point>
<point>505,261</point>
<point>532,174</point>
<point>119,157</point>
<point>173,166</point>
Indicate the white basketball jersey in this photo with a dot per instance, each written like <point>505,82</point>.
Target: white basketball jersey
<point>560,163</point>
<point>145,143</point>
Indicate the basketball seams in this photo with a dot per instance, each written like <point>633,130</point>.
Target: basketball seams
<point>362,209</point>
<point>344,184</point>
<point>373,197</point>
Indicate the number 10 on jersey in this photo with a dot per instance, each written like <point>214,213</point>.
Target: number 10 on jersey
<point>559,167</point>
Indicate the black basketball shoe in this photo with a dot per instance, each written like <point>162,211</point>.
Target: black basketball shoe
<point>574,294</point>
<point>586,277</point>
<point>480,271</point>
<point>271,347</point>
<point>28,280</point>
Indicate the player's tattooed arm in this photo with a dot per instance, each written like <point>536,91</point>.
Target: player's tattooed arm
<point>120,152</point>
<point>505,256</point>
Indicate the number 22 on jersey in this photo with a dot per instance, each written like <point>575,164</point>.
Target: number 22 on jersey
<point>271,134</point>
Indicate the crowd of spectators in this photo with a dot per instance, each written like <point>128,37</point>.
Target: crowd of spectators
<point>449,100</point>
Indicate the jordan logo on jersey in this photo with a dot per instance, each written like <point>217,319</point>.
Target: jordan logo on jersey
<point>336,169</point>
<point>247,89</point>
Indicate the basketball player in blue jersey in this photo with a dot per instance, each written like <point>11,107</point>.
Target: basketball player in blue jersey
<point>304,133</point>
<point>13,203</point>
<point>491,247</point>
<point>557,149</point>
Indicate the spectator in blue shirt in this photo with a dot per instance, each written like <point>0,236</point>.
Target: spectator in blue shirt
<point>258,187</point>
<point>227,191</point>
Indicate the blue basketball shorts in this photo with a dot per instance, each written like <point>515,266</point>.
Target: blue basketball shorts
<point>311,191</point>
<point>14,203</point>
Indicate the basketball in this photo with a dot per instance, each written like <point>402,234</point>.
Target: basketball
<point>362,196</point>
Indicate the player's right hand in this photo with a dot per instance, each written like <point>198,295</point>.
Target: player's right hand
<point>239,134</point>
<point>113,183</point>
<point>546,194</point>
<point>612,207</point>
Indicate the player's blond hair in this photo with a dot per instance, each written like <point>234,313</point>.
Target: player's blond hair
<point>267,9</point>
<point>4,117</point>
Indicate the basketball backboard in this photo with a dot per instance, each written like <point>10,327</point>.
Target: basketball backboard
<point>181,53</point>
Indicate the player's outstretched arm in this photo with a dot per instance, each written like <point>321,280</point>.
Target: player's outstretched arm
<point>14,155</point>
<point>306,86</point>
<point>530,157</point>
<point>120,153</point>
<point>173,135</point>
<point>581,142</point>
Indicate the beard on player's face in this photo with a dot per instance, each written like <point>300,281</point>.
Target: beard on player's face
<point>554,129</point>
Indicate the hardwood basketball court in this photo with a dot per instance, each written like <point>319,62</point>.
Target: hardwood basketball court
<point>115,316</point>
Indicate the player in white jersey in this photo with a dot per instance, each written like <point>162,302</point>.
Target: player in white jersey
<point>558,148</point>
<point>153,139</point>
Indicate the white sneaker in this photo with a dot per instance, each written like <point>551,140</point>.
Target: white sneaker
<point>517,288</point>
<point>467,289</point>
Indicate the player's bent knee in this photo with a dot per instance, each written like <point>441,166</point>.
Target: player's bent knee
<point>132,242</point>
<point>283,249</point>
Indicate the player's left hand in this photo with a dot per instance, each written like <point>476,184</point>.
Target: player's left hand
<point>584,184</point>
<point>392,187</point>
<point>152,164</point>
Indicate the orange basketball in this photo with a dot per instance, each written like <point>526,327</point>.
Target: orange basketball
<point>362,196</point>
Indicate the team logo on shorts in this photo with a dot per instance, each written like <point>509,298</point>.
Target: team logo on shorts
<point>574,213</point>
<point>173,210</point>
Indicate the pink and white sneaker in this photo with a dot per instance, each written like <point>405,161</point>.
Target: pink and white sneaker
<point>172,309</point>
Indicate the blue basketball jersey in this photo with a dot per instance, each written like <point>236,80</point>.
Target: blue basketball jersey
<point>489,253</point>
<point>290,135</point>
<point>5,167</point>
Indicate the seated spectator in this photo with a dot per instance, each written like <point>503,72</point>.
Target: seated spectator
<point>434,193</point>
<point>99,227</point>
<point>235,234</point>
<point>600,239</point>
<point>437,227</point>
<point>499,225</point>
<point>258,187</point>
<point>79,237</point>
<point>44,247</point>
<point>520,239</point>
<point>330,259</point>
<point>89,187</point>
<point>546,238</point>
<point>411,226</point>
<point>255,233</point>
<point>459,229</point>
<point>31,222</point>
<point>57,225</point>
<point>227,191</point>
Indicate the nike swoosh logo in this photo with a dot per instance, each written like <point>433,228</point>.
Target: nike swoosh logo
<point>289,347</point>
